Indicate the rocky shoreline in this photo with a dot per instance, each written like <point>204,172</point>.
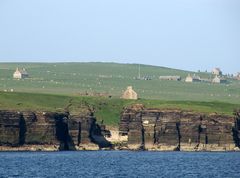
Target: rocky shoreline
<point>140,128</point>
<point>90,147</point>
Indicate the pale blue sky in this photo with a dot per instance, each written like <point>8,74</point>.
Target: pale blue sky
<point>186,34</point>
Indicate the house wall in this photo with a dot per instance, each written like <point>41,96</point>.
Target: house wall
<point>17,75</point>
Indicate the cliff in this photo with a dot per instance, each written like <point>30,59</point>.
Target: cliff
<point>158,129</point>
<point>139,128</point>
<point>50,131</point>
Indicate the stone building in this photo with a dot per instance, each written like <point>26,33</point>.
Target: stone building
<point>174,78</point>
<point>20,74</point>
<point>193,78</point>
<point>217,71</point>
<point>238,76</point>
<point>130,94</point>
<point>217,79</point>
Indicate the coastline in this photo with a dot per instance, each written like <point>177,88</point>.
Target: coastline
<point>94,147</point>
<point>139,130</point>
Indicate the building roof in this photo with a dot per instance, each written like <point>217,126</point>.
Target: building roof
<point>194,77</point>
<point>217,69</point>
<point>21,71</point>
<point>169,77</point>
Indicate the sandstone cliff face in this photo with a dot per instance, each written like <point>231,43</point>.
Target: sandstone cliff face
<point>65,131</point>
<point>150,129</point>
<point>156,129</point>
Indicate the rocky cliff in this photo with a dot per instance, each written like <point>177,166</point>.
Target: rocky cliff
<point>143,128</point>
<point>57,131</point>
<point>158,129</point>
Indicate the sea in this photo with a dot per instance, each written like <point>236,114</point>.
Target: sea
<point>119,164</point>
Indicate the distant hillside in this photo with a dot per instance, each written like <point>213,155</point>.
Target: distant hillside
<point>112,79</point>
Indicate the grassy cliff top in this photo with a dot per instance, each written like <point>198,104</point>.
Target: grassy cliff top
<point>107,109</point>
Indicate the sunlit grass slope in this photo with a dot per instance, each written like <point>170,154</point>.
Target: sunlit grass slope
<point>74,79</point>
<point>107,109</point>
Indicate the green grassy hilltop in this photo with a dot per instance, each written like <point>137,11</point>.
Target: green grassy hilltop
<point>53,86</point>
<point>112,79</point>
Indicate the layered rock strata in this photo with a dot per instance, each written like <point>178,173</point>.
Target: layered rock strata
<point>158,129</point>
<point>56,131</point>
<point>144,128</point>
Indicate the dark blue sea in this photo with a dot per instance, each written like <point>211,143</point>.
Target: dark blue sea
<point>119,164</point>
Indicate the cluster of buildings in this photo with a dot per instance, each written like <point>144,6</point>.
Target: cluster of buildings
<point>216,72</point>
<point>217,79</point>
<point>195,78</point>
<point>129,93</point>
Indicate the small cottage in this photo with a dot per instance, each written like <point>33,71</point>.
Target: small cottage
<point>238,76</point>
<point>193,78</point>
<point>174,78</point>
<point>217,79</point>
<point>130,94</point>
<point>20,74</point>
<point>217,71</point>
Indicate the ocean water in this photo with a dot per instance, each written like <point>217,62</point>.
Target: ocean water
<point>119,164</point>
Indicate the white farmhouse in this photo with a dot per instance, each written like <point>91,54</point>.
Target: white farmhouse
<point>194,78</point>
<point>217,71</point>
<point>20,74</point>
<point>217,79</point>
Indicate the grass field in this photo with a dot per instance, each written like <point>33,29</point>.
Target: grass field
<point>53,87</point>
<point>71,79</point>
<point>107,109</point>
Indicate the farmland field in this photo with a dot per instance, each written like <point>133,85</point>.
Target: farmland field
<point>52,86</point>
<point>74,79</point>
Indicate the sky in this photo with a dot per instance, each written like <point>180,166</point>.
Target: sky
<point>182,34</point>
